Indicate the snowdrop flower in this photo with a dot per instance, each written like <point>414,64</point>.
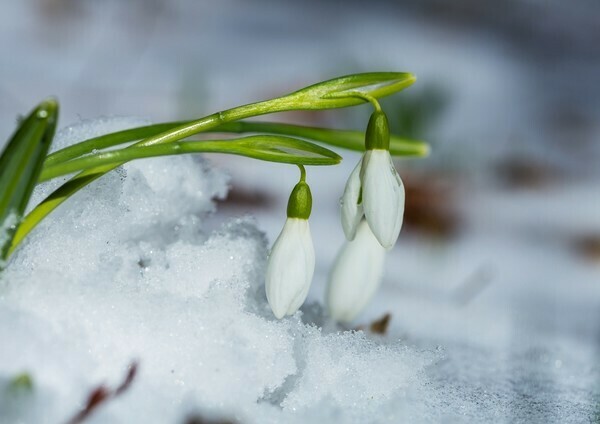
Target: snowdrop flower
<point>374,189</point>
<point>292,260</point>
<point>356,275</point>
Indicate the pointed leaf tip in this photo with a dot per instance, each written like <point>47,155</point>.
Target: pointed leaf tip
<point>338,92</point>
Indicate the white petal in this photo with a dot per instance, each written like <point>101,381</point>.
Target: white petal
<point>290,268</point>
<point>383,196</point>
<point>352,212</point>
<point>355,276</point>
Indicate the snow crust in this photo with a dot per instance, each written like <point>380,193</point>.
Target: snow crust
<point>128,270</point>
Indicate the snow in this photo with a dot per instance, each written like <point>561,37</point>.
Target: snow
<point>499,324</point>
<point>132,270</point>
<point>126,271</point>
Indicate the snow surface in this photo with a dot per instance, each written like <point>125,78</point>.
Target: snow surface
<point>500,324</point>
<point>126,271</point>
<point>130,270</point>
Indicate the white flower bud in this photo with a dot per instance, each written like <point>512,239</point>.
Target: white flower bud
<point>290,268</point>
<point>355,276</point>
<point>352,211</point>
<point>382,196</point>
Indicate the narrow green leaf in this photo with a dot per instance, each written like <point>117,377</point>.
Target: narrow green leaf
<point>269,148</point>
<point>332,93</point>
<point>55,199</point>
<point>281,149</point>
<point>20,166</point>
<point>346,139</point>
<point>109,140</point>
<point>352,140</point>
<point>263,147</point>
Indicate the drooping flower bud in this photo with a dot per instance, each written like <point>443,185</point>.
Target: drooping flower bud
<point>355,275</point>
<point>374,188</point>
<point>382,196</point>
<point>292,260</point>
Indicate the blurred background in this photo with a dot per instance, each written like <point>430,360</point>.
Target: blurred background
<point>499,259</point>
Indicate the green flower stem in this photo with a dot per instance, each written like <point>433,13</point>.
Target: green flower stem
<point>352,140</point>
<point>366,97</point>
<point>302,173</point>
<point>268,148</point>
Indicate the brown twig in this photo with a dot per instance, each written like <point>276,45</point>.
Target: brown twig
<point>102,394</point>
<point>379,326</point>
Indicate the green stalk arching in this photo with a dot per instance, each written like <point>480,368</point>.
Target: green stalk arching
<point>324,95</point>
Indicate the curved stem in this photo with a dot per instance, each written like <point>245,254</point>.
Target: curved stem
<point>302,173</point>
<point>366,97</point>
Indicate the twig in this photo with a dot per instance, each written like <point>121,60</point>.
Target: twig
<point>379,326</point>
<point>102,394</point>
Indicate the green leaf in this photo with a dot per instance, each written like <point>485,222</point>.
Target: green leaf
<point>352,140</point>
<point>269,148</point>
<point>109,140</point>
<point>283,149</point>
<point>263,147</point>
<point>336,93</point>
<point>20,165</point>
<point>347,139</point>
